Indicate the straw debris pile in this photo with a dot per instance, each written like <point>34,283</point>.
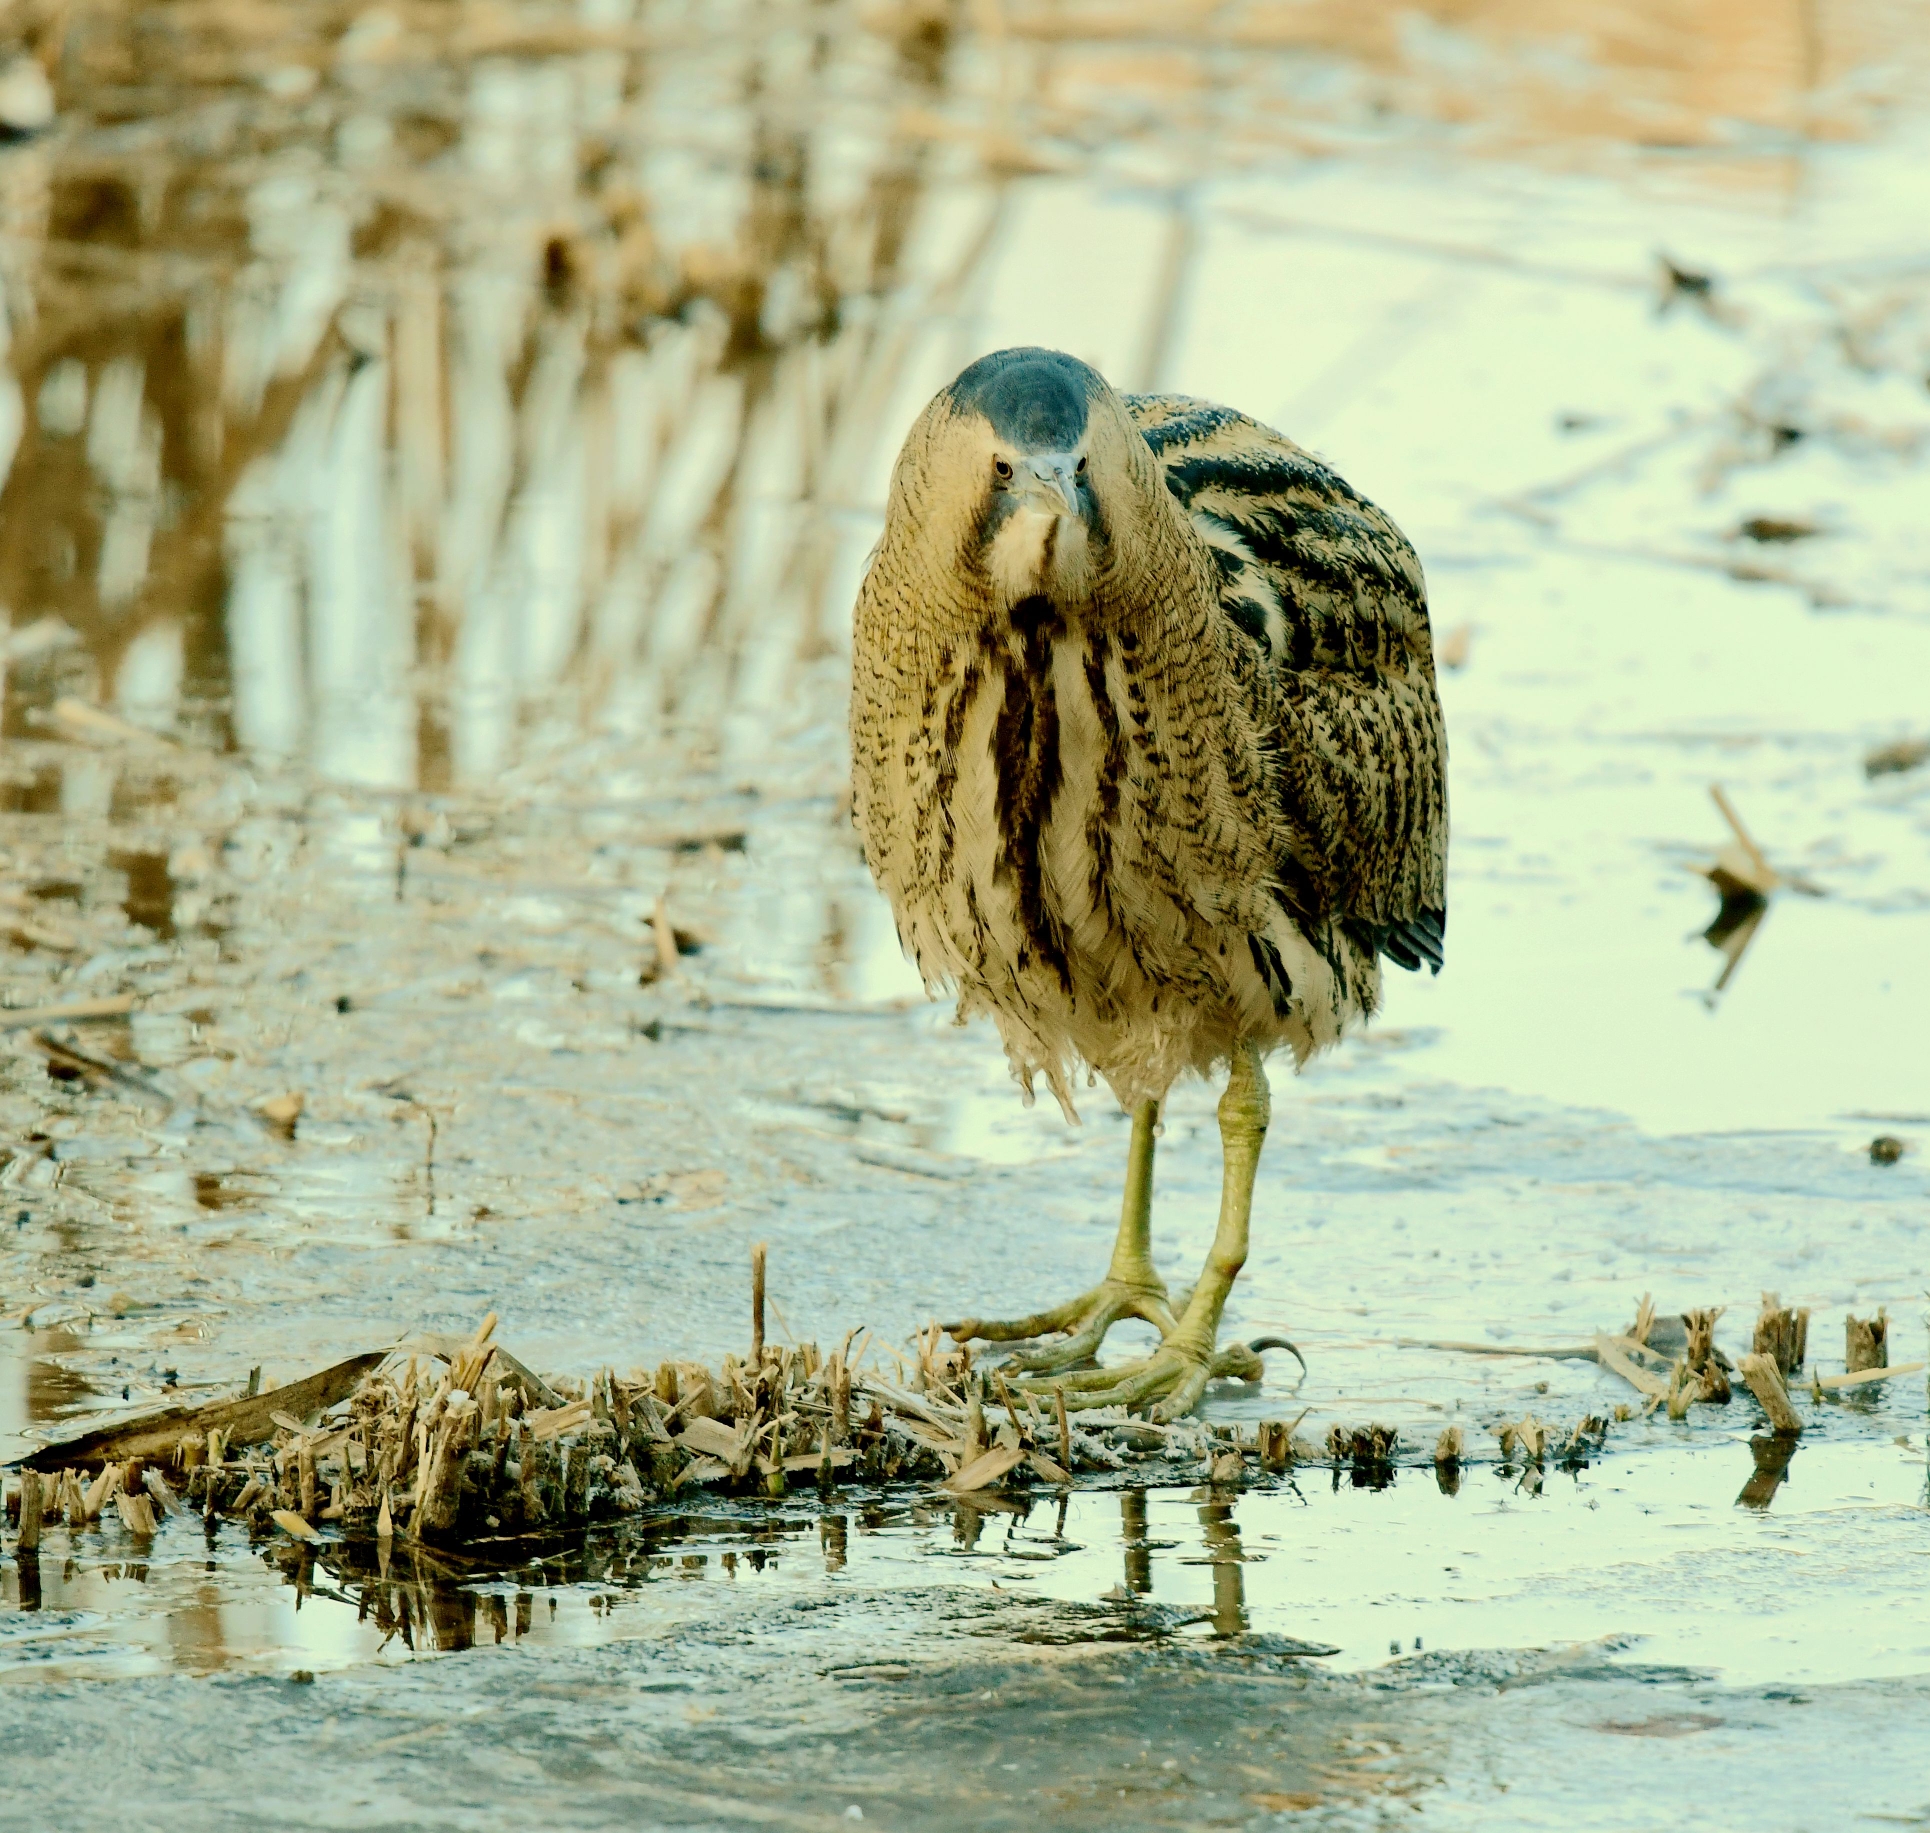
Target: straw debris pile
<point>450,1441</point>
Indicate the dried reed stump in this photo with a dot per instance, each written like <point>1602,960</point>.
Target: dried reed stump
<point>32,1498</point>
<point>1700,1354</point>
<point>1866,1342</point>
<point>1765,1381</point>
<point>1782,1335</point>
<point>1276,1444</point>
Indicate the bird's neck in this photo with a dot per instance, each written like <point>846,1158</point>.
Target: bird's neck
<point>1158,578</point>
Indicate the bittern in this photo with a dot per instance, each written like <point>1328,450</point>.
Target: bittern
<point>1149,759</point>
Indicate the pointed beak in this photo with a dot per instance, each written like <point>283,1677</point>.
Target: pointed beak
<point>1049,480</point>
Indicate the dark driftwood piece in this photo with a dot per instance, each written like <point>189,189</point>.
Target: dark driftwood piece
<point>241,1421</point>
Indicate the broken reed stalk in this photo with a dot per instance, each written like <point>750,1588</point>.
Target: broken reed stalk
<point>30,1507</point>
<point>1744,839</point>
<point>1782,1334</point>
<point>1684,1389</point>
<point>1700,1355</point>
<point>757,1305</point>
<point>1276,1444</point>
<point>1866,1342</point>
<point>1644,1320</point>
<point>1617,1354</point>
<point>1526,1436</point>
<point>1765,1379</point>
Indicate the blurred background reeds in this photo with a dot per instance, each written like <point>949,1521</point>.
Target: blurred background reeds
<point>383,380</point>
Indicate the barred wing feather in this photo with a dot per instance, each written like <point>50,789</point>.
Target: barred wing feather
<point>1331,595</point>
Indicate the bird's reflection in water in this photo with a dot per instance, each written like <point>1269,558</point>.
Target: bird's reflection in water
<point>967,1525</point>
<point>1226,1556</point>
<point>832,1531</point>
<point>1132,1536</point>
<point>1223,1552</point>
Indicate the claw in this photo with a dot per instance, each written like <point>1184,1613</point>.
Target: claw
<point>1260,1343</point>
<point>1238,1362</point>
<point>1241,1361</point>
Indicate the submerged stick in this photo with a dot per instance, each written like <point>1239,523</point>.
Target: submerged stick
<point>1701,1355</point>
<point>1766,874</point>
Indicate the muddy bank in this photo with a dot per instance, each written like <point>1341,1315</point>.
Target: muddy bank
<point>878,1711</point>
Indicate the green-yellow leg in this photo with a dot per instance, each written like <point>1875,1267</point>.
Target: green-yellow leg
<point>1131,1287</point>
<point>1171,1380</point>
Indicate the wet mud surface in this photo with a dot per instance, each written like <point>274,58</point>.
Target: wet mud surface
<point>428,548</point>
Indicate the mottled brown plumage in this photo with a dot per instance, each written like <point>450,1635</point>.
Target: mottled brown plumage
<point>1147,751</point>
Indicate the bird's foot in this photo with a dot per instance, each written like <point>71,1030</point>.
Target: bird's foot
<point>1167,1384</point>
<point>1085,1320</point>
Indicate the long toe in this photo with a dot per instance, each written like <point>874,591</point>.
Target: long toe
<point>1185,1394</point>
<point>1170,1377</point>
<point>1080,1347</point>
<point>1086,1319</point>
<point>1080,1383</point>
<point>1018,1329</point>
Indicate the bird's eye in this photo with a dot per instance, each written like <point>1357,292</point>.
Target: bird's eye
<point>1001,467</point>
<point>1080,467</point>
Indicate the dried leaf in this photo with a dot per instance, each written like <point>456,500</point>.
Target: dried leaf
<point>1863,1377</point>
<point>553,1422</point>
<point>711,1438</point>
<point>984,1469</point>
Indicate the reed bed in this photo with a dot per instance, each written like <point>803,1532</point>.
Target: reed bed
<point>456,1442</point>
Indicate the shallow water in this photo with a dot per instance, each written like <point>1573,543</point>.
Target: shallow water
<point>428,549</point>
<point>1640,1556</point>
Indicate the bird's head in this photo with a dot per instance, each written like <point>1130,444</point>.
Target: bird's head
<point>1028,462</point>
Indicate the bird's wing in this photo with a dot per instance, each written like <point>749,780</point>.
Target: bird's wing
<point>1329,589</point>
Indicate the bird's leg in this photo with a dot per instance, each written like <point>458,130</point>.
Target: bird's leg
<point>1130,1289</point>
<point>1171,1380</point>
